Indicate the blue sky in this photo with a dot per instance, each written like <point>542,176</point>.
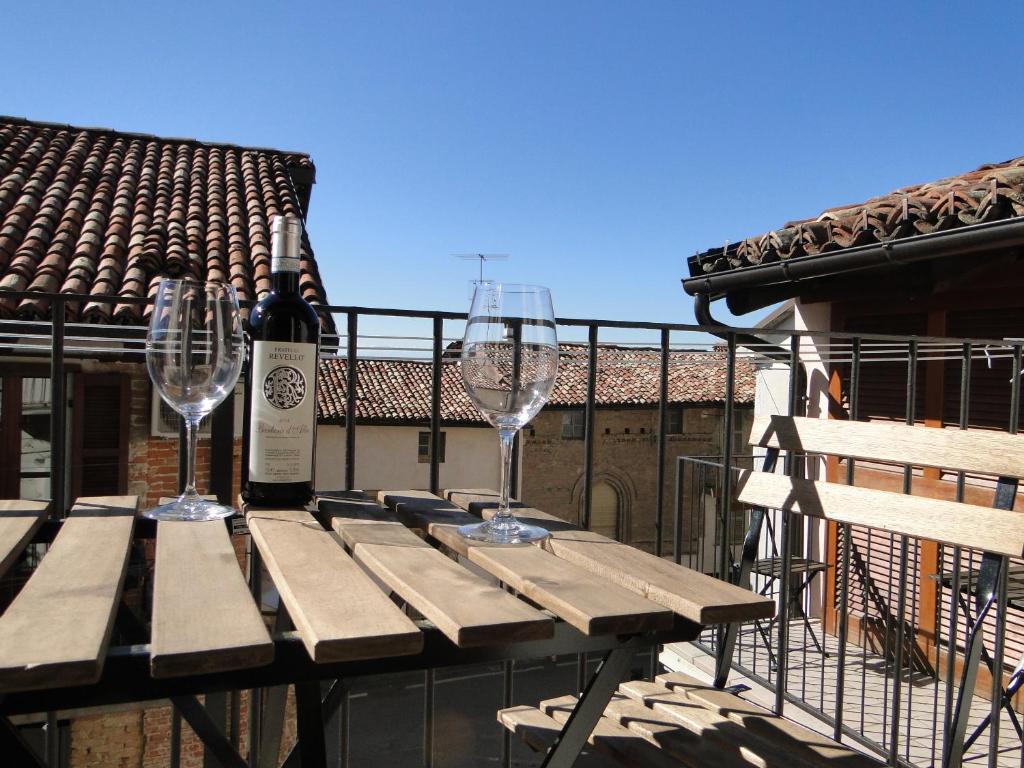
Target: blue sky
<point>598,143</point>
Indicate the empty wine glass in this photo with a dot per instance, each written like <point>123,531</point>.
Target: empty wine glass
<point>509,363</point>
<point>194,355</point>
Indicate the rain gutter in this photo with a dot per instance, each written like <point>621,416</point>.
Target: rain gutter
<point>976,237</point>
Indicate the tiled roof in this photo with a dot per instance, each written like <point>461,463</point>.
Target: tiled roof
<point>990,193</point>
<point>398,391</point>
<point>98,212</point>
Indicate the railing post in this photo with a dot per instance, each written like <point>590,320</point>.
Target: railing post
<point>844,564</point>
<point>351,382</point>
<point>588,434</point>
<point>659,498</point>
<point>725,499</point>
<point>58,411</point>
<point>222,450</point>
<point>435,407</point>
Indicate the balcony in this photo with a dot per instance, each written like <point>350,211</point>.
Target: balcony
<point>647,468</point>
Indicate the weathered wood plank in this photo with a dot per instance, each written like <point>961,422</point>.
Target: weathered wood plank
<point>56,631</point>
<point>695,596</point>
<point>992,530</point>
<point>981,451</point>
<point>591,604</point>
<point>676,694</point>
<point>204,618</point>
<point>468,610</point>
<point>539,732</point>
<point>616,740</point>
<point>19,520</point>
<point>337,609</point>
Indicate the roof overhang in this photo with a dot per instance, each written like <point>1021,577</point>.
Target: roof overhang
<point>752,287</point>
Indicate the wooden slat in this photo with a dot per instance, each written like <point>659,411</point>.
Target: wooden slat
<point>539,732</point>
<point>204,618</point>
<point>695,596</point>
<point>965,525</point>
<point>338,611</point>
<point>56,631</point>
<point>984,452</point>
<point>616,740</point>
<point>468,610</point>
<point>592,605</point>
<point>802,744</point>
<point>704,740</point>
<point>19,520</point>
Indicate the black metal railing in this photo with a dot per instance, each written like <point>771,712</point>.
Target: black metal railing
<point>872,622</point>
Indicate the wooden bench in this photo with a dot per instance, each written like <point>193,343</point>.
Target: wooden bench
<point>699,725</point>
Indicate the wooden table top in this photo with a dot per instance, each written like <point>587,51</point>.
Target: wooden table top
<point>342,570</point>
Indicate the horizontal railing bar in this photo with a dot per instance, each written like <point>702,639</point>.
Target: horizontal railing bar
<point>566,321</point>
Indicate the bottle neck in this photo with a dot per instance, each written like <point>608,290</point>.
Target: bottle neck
<point>284,282</point>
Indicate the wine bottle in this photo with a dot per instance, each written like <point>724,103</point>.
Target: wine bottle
<point>282,341</point>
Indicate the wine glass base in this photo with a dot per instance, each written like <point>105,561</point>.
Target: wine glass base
<point>183,509</point>
<point>513,532</point>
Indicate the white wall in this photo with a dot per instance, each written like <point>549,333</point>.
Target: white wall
<point>814,351</point>
<point>386,457</point>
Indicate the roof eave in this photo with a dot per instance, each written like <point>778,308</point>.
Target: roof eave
<point>1004,233</point>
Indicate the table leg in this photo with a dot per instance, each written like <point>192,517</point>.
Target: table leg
<point>591,706</point>
<point>310,722</point>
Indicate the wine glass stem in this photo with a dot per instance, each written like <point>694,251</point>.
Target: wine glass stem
<point>192,437</point>
<point>506,436</point>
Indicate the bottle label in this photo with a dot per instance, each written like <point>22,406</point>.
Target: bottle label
<point>284,264</point>
<point>283,414</point>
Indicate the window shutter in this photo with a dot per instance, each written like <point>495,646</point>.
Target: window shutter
<point>100,458</point>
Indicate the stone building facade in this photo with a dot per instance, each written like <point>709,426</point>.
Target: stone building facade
<point>625,465</point>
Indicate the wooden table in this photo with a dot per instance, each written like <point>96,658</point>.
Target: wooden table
<point>334,567</point>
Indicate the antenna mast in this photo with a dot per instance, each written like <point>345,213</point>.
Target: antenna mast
<point>481,257</point>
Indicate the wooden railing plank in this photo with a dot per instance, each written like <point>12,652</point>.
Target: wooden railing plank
<point>695,596</point>
<point>204,618</point>
<point>19,520</point>
<point>338,611</point>
<point>591,604</point>
<point>468,610</point>
<point>56,631</point>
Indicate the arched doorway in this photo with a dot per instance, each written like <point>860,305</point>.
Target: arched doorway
<point>605,510</point>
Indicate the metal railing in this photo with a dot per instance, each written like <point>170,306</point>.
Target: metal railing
<point>892,632</point>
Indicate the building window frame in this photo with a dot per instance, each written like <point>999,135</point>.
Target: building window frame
<point>574,424</point>
<point>423,448</point>
<point>674,421</point>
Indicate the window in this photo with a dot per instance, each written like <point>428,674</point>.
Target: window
<point>572,425</point>
<point>423,449</point>
<point>675,421</point>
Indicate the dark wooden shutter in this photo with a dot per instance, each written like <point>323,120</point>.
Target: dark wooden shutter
<point>882,393</point>
<point>100,440</point>
<point>991,379</point>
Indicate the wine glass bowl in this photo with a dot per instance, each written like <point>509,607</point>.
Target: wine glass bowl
<point>194,357</point>
<point>509,364</point>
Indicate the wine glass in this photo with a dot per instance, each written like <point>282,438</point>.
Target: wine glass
<point>194,356</point>
<point>509,362</point>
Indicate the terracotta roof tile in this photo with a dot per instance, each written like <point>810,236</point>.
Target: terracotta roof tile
<point>398,391</point>
<point>102,213</point>
<point>990,193</point>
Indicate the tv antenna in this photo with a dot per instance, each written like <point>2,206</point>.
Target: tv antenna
<point>481,257</point>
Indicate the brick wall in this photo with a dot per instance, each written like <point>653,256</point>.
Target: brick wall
<point>153,461</point>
